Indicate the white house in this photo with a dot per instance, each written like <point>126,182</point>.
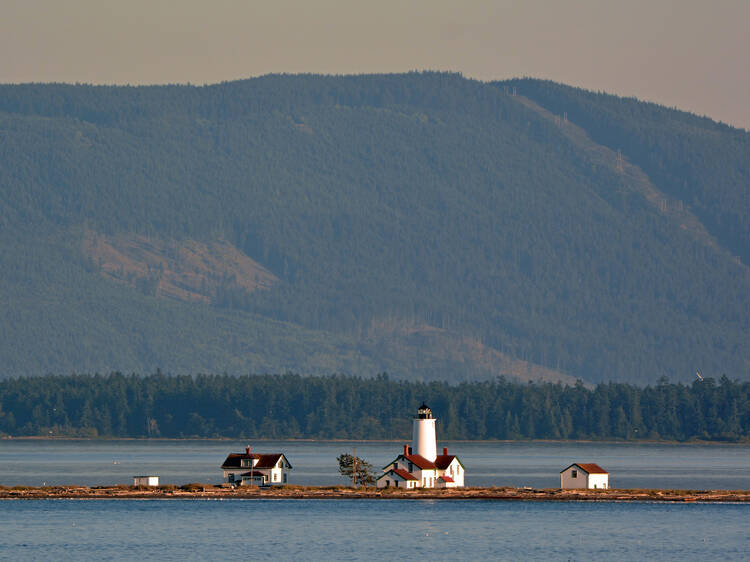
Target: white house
<point>419,466</point>
<point>584,475</point>
<point>253,469</point>
<point>145,480</point>
<point>450,471</point>
<point>398,478</point>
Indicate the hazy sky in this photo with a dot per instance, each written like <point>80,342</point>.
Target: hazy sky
<point>692,54</point>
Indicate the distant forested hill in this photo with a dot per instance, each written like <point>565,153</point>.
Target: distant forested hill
<point>702,163</point>
<point>423,224</point>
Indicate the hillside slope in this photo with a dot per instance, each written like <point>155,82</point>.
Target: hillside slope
<point>423,224</point>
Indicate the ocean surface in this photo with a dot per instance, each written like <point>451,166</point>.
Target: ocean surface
<point>369,530</point>
<point>100,462</point>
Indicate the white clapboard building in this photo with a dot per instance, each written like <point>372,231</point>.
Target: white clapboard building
<point>419,465</point>
<point>253,469</point>
<point>584,475</point>
<point>145,480</point>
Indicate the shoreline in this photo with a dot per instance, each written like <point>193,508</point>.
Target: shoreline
<point>209,491</point>
<point>314,440</point>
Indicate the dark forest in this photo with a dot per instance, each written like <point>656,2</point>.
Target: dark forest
<point>342,407</point>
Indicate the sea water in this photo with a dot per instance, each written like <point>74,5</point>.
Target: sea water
<point>631,465</point>
<point>370,530</point>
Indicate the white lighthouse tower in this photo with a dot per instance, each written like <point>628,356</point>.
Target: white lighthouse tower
<point>419,466</point>
<point>424,442</point>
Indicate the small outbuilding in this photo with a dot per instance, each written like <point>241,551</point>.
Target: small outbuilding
<point>145,480</point>
<point>584,475</point>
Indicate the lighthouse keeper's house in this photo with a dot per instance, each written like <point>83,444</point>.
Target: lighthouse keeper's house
<point>253,469</point>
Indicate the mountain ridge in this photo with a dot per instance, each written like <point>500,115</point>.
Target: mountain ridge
<point>667,205</point>
<point>423,199</point>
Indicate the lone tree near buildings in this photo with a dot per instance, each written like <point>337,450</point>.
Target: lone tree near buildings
<point>358,470</point>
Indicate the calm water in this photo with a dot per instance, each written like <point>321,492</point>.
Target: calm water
<point>487,464</point>
<point>369,530</point>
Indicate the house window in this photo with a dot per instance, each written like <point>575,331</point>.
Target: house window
<point>245,463</point>
<point>284,478</point>
<point>275,477</point>
<point>574,474</point>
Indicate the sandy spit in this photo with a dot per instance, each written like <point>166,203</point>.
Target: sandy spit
<point>208,491</point>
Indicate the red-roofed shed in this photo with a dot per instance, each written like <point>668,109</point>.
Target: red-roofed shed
<point>584,475</point>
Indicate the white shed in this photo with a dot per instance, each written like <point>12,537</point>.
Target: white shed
<point>584,475</point>
<point>145,480</point>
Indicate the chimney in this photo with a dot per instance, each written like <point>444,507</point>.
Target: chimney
<point>445,451</point>
<point>410,450</point>
<point>247,450</point>
<point>406,449</point>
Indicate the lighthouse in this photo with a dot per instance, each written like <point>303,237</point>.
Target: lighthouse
<point>424,442</point>
<point>419,466</point>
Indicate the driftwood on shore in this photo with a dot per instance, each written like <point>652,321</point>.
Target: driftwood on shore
<point>209,491</point>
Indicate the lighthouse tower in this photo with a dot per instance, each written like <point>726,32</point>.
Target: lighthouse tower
<point>419,466</point>
<point>424,442</point>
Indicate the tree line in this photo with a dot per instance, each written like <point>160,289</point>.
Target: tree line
<point>343,407</point>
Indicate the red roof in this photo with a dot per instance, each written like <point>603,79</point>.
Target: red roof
<point>234,460</point>
<point>444,461</point>
<point>403,474</point>
<point>589,468</point>
<point>446,478</point>
<point>420,461</point>
<point>592,468</point>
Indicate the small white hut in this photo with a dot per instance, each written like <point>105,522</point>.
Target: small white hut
<point>584,475</point>
<point>145,480</point>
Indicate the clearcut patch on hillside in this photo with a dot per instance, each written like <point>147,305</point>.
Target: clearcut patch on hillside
<point>185,270</point>
<point>435,348</point>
